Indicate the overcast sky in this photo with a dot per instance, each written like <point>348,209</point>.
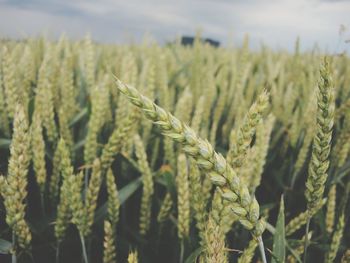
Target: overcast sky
<point>276,23</point>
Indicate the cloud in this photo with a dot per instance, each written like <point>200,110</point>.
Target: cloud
<point>276,23</point>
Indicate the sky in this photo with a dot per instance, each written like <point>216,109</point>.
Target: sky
<point>276,23</point>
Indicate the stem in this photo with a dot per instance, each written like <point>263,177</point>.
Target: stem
<point>89,248</point>
<point>84,249</point>
<point>294,177</point>
<point>14,257</point>
<point>262,250</point>
<point>182,250</point>
<point>306,243</point>
<point>58,252</point>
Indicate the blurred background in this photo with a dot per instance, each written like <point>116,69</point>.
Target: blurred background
<point>274,23</point>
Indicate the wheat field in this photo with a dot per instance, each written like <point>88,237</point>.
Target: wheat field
<point>171,153</point>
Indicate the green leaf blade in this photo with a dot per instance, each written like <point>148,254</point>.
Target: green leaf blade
<point>279,246</point>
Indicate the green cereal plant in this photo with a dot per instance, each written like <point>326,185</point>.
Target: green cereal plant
<point>85,139</point>
<point>198,201</point>
<point>92,192</point>
<point>67,89</point>
<point>64,168</point>
<point>317,173</point>
<point>79,213</point>
<point>165,208</point>
<point>319,163</point>
<point>28,71</point>
<point>65,131</point>
<point>148,78</point>
<point>169,152</point>
<point>55,178</point>
<point>44,104</point>
<point>183,108</point>
<point>300,220</point>
<point>183,198</point>
<point>197,119</point>
<point>14,186</point>
<point>246,171</point>
<point>238,153</point>
<point>148,185</point>
<point>346,257</point>
<point>210,92</point>
<point>109,254</point>
<point>133,257</point>
<point>89,62</point>
<point>5,125</point>
<point>83,209</point>
<point>9,82</point>
<point>162,82</point>
<point>248,252</point>
<point>263,135</point>
<point>38,152</point>
<point>113,200</point>
<point>215,251</point>
<point>299,250</point>
<point>342,146</point>
<point>96,122</point>
<point>336,238</point>
<point>339,228</point>
<point>218,110</point>
<point>116,141</point>
<point>221,174</point>
<point>303,152</point>
<point>244,135</point>
<point>342,110</point>
<point>217,208</point>
<point>238,81</point>
<point>155,152</point>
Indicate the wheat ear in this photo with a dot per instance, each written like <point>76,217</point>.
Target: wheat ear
<point>165,208</point>
<point>133,257</point>
<point>319,163</point>
<point>147,191</point>
<point>214,164</point>
<point>214,243</point>
<point>183,199</point>
<point>14,186</point>
<point>109,255</point>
